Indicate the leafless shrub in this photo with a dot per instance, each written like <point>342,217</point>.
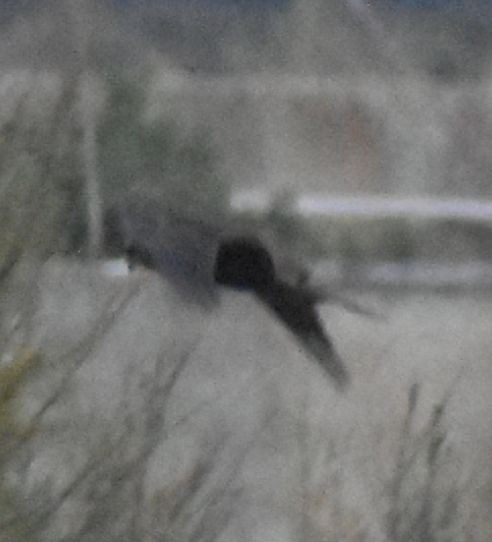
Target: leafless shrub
<point>426,492</point>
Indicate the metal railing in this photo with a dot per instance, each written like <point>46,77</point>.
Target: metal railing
<point>369,206</point>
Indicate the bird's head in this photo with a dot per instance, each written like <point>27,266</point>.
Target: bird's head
<point>244,263</point>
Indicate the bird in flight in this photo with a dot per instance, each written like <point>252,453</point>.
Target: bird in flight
<point>197,257</point>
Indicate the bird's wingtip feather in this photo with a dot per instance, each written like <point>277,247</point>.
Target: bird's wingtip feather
<point>330,361</point>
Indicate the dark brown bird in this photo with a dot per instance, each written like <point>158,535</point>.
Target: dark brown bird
<point>196,257</point>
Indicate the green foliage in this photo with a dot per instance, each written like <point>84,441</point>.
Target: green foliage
<point>13,522</point>
<point>42,173</point>
<point>12,377</point>
<point>153,157</point>
<point>38,177</point>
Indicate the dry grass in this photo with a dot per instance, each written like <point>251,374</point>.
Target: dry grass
<point>245,434</point>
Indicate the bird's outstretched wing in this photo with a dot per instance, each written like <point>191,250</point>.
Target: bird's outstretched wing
<point>298,312</point>
<point>320,294</point>
<point>181,250</point>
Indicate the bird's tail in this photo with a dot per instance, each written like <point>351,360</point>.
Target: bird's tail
<point>322,350</point>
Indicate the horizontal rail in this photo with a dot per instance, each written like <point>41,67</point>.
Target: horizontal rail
<point>473,274</point>
<point>320,204</point>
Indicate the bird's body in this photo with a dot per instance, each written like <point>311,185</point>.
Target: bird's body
<point>197,257</point>
<point>180,249</point>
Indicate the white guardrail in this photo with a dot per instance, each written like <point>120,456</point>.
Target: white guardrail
<point>321,204</point>
<point>471,274</point>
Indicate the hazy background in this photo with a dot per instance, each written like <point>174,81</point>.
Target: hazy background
<point>355,135</point>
